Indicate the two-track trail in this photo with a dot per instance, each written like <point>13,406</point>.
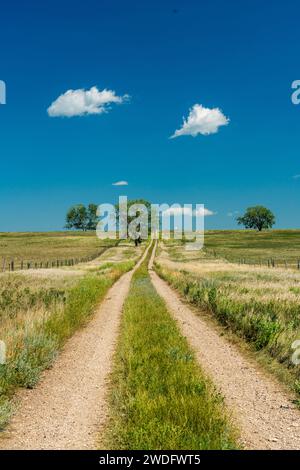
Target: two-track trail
<point>261,408</point>
<point>68,408</point>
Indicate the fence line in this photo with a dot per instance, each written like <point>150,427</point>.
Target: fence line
<point>10,265</point>
<point>266,262</point>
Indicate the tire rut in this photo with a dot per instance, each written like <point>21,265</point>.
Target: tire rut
<point>68,408</point>
<point>260,406</point>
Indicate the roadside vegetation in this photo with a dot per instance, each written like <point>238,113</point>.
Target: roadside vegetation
<point>39,312</point>
<point>261,306</point>
<point>160,399</point>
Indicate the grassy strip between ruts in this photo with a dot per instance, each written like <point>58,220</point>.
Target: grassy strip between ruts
<point>160,399</point>
<point>35,347</point>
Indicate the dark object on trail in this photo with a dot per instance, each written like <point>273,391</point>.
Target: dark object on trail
<point>138,241</point>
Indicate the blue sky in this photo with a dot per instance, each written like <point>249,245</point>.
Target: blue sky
<point>168,56</point>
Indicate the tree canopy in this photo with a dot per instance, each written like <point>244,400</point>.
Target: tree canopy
<point>257,217</point>
<point>80,217</point>
<point>130,218</point>
<point>83,218</point>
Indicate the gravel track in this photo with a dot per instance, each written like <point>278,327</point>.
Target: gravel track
<point>260,406</point>
<point>68,408</point>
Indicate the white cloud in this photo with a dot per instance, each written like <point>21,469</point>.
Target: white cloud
<point>203,121</point>
<point>177,211</point>
<point>120,183</point>
<point>187,211</point>
<point>82,102</point>
<point>204,211</point>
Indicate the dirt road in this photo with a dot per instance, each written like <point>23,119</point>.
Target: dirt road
<point>262,409</point>
<point>68,407</point>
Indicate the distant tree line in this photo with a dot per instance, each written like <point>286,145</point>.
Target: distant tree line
<point>80,217</point>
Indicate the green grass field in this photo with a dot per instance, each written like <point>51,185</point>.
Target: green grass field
<point>251,246</point>
<point>280,245</point>
<point>259,304</point>
<point>50,245</point>
<point>160,397</point>
<point>36,248</point>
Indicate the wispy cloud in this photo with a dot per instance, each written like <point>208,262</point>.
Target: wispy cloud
<point>83,102</point>
<point>202,121</point>
<point>120,183</point>
<point>296,177</point>
<point>204,211</point>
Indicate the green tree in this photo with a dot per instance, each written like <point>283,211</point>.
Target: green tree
<point>77,217</point>
<point>70,217</point>
<point>257,217</point>
<point>92,218</point>
<point>130,203</point>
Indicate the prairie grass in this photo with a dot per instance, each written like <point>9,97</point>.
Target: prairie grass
<point>261,306</point>
<point>50,246</point>
<point>281,245</point>
<point>37,315</point>
<point>160,399</point>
